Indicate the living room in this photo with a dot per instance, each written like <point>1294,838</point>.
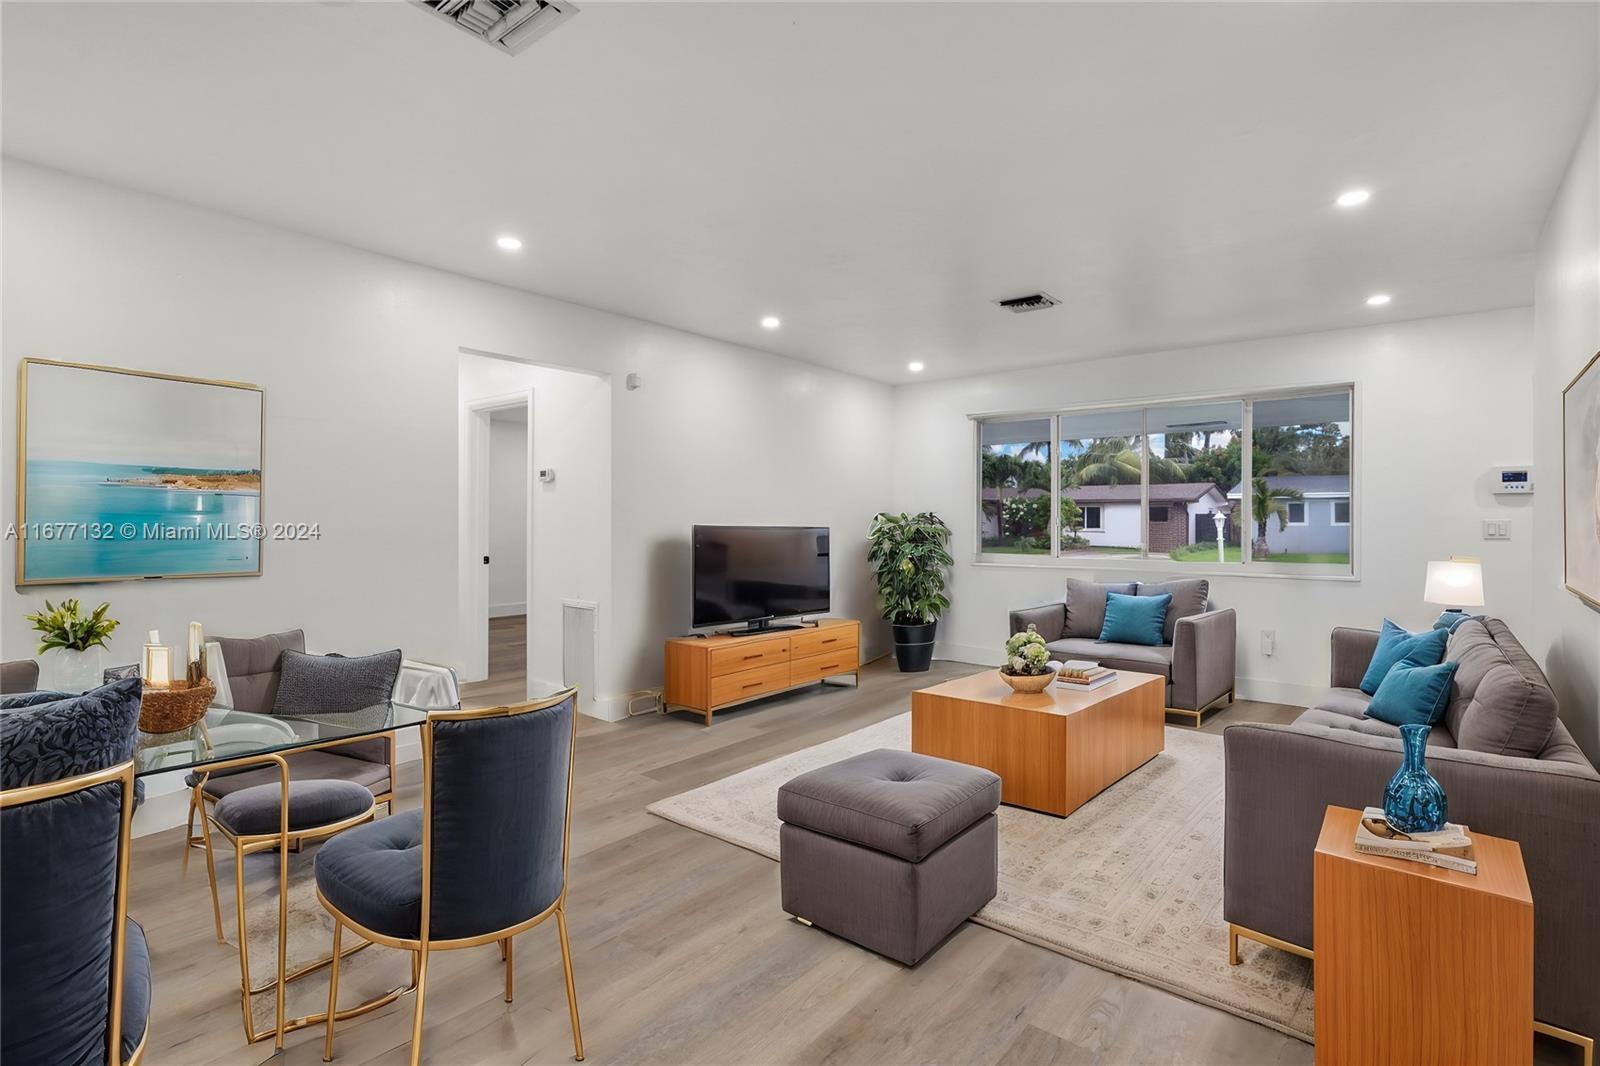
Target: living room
<point>1286,312</point>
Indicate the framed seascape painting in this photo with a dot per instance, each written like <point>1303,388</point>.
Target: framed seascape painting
<point>1580,421</point>
<point>126,474</point>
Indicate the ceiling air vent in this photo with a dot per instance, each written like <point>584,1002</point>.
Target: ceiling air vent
<point>1035,302</point>
<point>509,25</point>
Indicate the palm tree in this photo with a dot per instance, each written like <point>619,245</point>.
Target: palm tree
<point>1115,461</point>
<point>1268,500</point>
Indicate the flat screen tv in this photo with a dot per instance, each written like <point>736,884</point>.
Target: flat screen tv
<point>754,574</point>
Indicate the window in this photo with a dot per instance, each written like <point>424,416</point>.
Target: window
<point>1014,505</point>
<point>1261,481</point>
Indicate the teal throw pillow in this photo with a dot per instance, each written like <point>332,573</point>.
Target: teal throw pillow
<point>1395,645</point>
<point>1413,695</point>
<point>1135,619</point>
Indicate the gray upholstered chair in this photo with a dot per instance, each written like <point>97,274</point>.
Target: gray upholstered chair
<point>483,860</point>
<point>1197,654</point>
<point>74,968</point>
<point>18,675</point>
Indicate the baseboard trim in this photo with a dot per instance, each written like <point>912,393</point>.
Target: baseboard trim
<point>507,610</point>
<point>1264,690</point>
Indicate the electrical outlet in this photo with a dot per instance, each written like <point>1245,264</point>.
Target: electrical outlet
<point>1269,641</point>
<point>1497,529</point>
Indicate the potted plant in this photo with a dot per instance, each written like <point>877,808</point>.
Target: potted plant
<point>72,647</point>
<point>1027,667</point>
<point>910,559</point>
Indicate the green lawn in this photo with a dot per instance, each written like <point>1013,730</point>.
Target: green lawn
<point>1207,553</point>
<point>1012,549</point>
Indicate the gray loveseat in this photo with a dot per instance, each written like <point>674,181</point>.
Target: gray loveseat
<point>1509,769</point>
<point>1197,657</point>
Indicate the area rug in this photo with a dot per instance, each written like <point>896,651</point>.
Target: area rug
<point>1131,882</point>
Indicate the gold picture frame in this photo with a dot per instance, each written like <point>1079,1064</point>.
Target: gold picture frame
<point>1587,378</point>
<point>234,495</point>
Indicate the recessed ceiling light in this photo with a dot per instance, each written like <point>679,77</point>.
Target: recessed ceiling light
<point>1378,299</point>
<point>1353,197</point>
<point>510,244</point>
<point>771,322</point>
<point>914,366</point>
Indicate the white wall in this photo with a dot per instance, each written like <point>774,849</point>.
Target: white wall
<point>508,517</point>
<point>357,353</point>
<point>1440,401</point>
<point>569,551</point>
<point>1566,336</point>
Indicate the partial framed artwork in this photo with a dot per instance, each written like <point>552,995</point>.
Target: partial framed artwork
<point>1580,488</point>
<point>129,474</point>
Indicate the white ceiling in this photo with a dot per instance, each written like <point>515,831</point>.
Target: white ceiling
<point>873,174</point>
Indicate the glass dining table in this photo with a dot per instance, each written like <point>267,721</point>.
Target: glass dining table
<point>227,739</point>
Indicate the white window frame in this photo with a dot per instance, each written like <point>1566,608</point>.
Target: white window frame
<point>1333,510</point>
<point>1100,509</point>
<point>1305,512</point>
<point>1143,561</point>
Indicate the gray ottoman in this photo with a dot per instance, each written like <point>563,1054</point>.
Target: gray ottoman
<point>890,849</point>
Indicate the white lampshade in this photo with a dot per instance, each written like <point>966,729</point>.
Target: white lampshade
<point>1455,582</point>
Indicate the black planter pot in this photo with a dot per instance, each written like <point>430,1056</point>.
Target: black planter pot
<point>913,646</point>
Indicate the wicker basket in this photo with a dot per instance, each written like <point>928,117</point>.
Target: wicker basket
<point>179,705</point>
<point>1028,682</point>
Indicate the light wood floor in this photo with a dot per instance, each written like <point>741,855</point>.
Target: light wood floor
<point>682,953</point>
<point>508,665</point>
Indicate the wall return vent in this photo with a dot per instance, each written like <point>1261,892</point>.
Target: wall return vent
<point>1037,301</point>
<point>509,25</point>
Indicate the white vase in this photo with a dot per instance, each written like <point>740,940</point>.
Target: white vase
<point>65,670</point>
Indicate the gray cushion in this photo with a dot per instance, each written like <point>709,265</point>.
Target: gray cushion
<point>1500,701</point>
<point>312,805</point>
<point>252,665</point>
<point>373,874</point>
<point>1140,658</point>
<point>1086,605</point>
<point>1351,702</point>
<point>1188,599</point>
<point>896,802</point>
<point>19,675</point>
<point>1438,736</point>
<point>328,684</point>
<point>329,764</point>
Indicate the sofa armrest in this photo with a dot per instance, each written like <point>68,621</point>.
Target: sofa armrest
<point>1049,619</point>
<point>1204,658</point>
<point>1352,654</point>
<point>1279,781</point>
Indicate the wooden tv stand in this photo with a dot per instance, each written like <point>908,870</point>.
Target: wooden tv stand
<point>708,674</point>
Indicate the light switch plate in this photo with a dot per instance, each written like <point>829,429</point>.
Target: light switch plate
<point>1496,529</point>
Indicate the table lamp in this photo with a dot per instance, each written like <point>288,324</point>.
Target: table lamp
<point>1454,583</point>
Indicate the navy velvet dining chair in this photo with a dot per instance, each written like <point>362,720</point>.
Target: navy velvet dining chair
<point>74,968</point>
<point>483,860</point>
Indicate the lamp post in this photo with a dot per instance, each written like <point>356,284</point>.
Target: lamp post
<point>1220,518</point>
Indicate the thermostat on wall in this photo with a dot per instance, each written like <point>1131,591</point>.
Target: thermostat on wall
<point>1513,480</point>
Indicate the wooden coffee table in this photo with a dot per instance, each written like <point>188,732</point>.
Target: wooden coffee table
<point>1054,751</point>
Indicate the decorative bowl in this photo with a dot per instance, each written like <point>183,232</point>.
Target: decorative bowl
<point>1028,682</point>
<point>179,705</point>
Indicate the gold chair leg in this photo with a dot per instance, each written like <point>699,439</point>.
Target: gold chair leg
<point>1233,946</point>
<point>333,991</point>
<point>211,871</point>
<point>188,828</point>
<point>505,949</point>
<point>422,993</point>
<point>572,989</point>
<point>244,942</point>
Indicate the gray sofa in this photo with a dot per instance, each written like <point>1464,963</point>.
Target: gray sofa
<point>1198,655</point>
<point>1509,769</point>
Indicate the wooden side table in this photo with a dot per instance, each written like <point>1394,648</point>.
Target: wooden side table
<point>1417,964</point>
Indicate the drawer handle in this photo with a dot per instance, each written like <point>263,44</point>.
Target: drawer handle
<point>753,684</point>
<point>757,655</point>
<point>831,640</point>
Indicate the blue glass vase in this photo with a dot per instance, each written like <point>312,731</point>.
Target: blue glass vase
<point>1414,802</point>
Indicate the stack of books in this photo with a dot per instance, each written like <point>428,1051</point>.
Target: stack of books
<point>1449,848</point>
<point>1080,673</point>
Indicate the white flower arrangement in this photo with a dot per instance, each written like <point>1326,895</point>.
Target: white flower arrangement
<point>1026,654</point>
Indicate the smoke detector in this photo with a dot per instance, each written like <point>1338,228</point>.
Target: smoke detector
<point>1037,301</point>
<point>508,25</point>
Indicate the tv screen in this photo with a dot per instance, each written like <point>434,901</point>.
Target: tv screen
<point>744,573</point>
